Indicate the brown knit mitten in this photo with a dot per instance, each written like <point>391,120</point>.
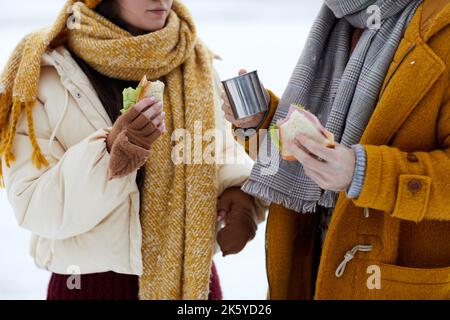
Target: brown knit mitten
<point>129,143</point>
<point>240,220</point>
<point>131,119</point>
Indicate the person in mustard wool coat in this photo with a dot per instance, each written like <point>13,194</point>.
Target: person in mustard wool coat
<point>114,215</point>
<point>387,234</point>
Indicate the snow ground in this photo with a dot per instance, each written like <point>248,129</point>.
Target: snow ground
<point>253,34</point>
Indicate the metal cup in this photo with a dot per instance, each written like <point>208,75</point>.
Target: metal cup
<point>246,95</point>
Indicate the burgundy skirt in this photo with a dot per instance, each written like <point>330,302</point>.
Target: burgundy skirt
<point>110,286</point>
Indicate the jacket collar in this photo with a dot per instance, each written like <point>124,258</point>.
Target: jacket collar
<point>435,17</point>
<point>413,57</point>
<point>77,83</point>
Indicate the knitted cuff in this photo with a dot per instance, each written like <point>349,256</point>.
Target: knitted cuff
<point>359,175</point>
<point>126,157</point>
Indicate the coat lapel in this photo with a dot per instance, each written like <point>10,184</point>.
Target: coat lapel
<point>406,85</point>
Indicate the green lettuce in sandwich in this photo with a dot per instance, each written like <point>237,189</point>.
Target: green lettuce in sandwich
<point>145,89</point>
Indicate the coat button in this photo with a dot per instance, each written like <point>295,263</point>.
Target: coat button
<point>412,157</point>
<point>414,186</point>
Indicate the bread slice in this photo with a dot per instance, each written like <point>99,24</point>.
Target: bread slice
<point>149,88</point>
<point>300,121</point>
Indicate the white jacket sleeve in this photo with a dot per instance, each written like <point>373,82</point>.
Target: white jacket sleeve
<point>73,194</point>
<point>235,165</point>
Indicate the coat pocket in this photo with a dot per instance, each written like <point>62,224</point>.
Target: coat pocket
<point>403,283</point>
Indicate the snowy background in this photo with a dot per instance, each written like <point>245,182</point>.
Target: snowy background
<point>261,35</point>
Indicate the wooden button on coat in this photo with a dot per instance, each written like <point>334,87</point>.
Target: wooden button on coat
<point>412,157</point>
<point>414,186</point>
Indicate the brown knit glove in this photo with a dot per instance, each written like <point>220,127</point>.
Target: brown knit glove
<point>129,143</point>
<point>240,220</point>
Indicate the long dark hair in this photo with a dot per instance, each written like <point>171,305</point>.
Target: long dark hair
<point>109,9</point>
<point>109,90</point>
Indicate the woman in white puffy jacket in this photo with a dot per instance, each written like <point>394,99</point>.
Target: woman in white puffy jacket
<point>84,217</point>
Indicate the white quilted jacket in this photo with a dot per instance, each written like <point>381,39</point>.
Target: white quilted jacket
<point>80,221</point>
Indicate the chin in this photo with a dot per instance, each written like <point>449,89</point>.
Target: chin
<point>155,26</point>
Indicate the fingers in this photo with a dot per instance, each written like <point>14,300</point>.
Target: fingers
<point>146,136</point>
<point>139,123</point>
<point>239,229</point>
<point>306,159</point>
<point>243,217</point>
<point>228,113</point>
<point>230,119</point>
<point>128,117</point>
<point>226,106</point>
<point>133,116</point>
<point>145,103</point>
<point>154,136</point>
<point>315,148</point>
<point>230,244</point>
<point>224,203</point>
<point>147,130</point>
<point>163,128</point>
<point>229,116</point>
<point>250,122</point>
<point>142,121</point>
<point>158,121</point>
<point>226,200</point>
<point>154,111</point>
<point>239,211</point>
<point>221,214</point>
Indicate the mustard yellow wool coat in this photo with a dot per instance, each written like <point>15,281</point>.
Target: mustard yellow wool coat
<point>406,191</point>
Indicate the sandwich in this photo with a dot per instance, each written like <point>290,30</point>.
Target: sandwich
<point>144,89</point>
<point>299,121</point>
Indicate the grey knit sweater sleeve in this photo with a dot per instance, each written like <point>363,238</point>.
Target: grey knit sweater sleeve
<point>359,175</point>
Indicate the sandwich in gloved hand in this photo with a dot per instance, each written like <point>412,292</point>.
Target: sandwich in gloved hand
<point>133,134</point>
<point>144,89</point>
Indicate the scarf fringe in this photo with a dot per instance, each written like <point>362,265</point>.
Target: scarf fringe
<point>346,102</point>
<point>4,105</point>
<point>37,157</point>
<point>19,82</point>
<point>6,148</point>
<point>5,102</point>
<point>7,136</point>
<point>2,180</point>
<point>328,199</point>
<point>186,65</point>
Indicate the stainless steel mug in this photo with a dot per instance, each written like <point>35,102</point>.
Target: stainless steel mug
<point>246,95</point>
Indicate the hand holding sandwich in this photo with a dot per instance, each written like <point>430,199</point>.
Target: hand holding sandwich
<point>142,124</point>
<point>331,168</point>
<point>302,137</point>
<point>139,126</point>
<point>132,136</point>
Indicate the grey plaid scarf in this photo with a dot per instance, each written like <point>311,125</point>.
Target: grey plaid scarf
<point>342,90</point>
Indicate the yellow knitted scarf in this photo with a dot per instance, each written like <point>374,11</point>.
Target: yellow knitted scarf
<point>178,206</point>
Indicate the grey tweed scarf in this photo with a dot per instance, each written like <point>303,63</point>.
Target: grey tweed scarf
<point>342,90</point>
